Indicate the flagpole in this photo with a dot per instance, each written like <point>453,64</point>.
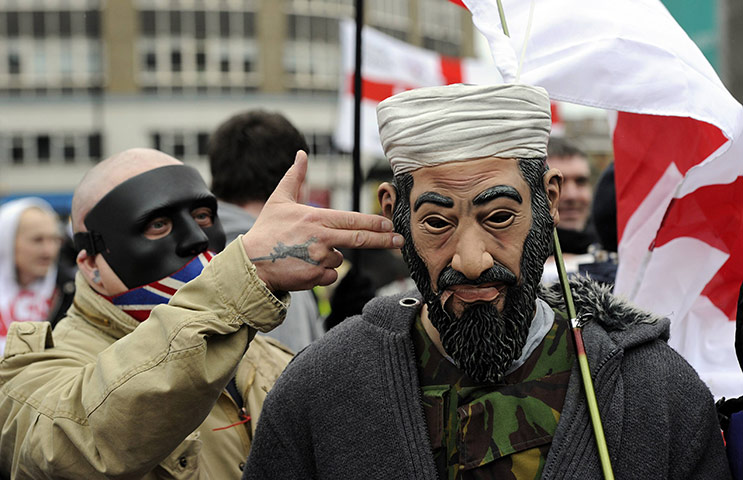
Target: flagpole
<point>502,15</point>
<point>356,155</point>
<point>585,371</point>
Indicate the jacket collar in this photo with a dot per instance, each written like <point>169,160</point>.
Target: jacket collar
<point>596,304</point>
<point>92,307</point>
<point>386,312</point>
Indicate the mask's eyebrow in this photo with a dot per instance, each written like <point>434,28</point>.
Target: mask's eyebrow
<point>435,198</point>
<point>496,192</point>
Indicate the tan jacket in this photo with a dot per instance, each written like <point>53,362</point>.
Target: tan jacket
<point>108,397</point>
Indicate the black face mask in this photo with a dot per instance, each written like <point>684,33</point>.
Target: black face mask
<point>116,224</point>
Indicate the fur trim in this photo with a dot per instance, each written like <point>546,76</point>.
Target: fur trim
<point>594,301</point>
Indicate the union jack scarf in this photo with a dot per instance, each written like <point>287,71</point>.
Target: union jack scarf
<point>139,302</point>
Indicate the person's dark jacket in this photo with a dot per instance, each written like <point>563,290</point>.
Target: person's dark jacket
<point>349,406</point>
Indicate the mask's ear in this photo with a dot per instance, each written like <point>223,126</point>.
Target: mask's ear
<point>387,195</point>
<point>553,187</point>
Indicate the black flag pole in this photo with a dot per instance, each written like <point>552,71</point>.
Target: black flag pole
<point>356,155</point>
<point>357,174</point>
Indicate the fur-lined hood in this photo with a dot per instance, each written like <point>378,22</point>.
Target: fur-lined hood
<point>594,303</point>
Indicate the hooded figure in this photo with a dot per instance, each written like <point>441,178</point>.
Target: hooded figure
<point>29,245</point>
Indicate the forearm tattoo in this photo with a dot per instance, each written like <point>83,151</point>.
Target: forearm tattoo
<point>300,251</point>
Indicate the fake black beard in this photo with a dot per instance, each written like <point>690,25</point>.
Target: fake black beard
<point>482,341</point>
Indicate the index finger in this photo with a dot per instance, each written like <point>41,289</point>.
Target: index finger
<point>341,220</point>
<point>340,238</point>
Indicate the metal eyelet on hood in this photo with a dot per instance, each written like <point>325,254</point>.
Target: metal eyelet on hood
<point>409,302</point>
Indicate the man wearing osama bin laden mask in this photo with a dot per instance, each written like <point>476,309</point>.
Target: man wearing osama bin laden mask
<point>473,375</point>
<point>156,371</point>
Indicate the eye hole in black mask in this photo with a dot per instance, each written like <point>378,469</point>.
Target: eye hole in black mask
<point>117,224</point>
<point>160,222</point>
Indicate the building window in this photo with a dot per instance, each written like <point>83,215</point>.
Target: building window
<point>175,60</point>
<point>40,63</point>
<point>14,64</point>
<point>150,61</point>
<point>179,148</point>
<point>65,24</point>
<point>94,64</point>
<point>200,61</point>
<point>391,17</point>
<point>43,148</point>
<point>249,24</point>
<point>441,26</point>
<point>321,144</point>
<point>39,24</point>
<point>94,146</point>
<point>147,23</point>
<point>312,52</point>
<point>68,150</point>
<point>224,24</point>
<point>13,25</point>
<point>202,140</point>
<point>175,23</point>
<point>443,47</point>
<point>93,23</point>
<point>156,141</point>
<point>200,23</point>
<point>197,50</point>
<point>17,150</point>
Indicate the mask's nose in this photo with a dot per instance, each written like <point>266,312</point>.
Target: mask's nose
<point>192,240</point>
<point>471,257</point>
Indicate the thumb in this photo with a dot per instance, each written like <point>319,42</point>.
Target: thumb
<point>291,183</point>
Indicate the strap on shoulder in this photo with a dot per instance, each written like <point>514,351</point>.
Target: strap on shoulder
<point>28,337</point>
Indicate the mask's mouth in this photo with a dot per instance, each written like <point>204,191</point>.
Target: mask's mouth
<point>485,292</point>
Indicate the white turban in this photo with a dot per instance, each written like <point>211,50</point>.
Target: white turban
<point>432,125</point>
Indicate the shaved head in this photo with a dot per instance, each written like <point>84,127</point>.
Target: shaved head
<point>108,174</point>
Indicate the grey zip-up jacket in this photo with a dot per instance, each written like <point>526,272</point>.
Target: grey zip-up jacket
<point>349,406</point>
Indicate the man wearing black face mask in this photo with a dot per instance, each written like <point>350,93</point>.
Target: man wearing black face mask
<point>122,389</point>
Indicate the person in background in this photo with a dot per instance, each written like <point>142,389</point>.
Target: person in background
<point>575,200</point>
<point>249,153</point>
<point>576,232</point>
<point>30,239</point>
<point>603,266</point>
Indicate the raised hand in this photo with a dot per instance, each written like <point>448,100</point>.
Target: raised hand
<point>293,246</point>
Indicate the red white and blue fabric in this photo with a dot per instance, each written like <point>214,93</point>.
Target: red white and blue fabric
<point>678,155</point>
<point>139,302</point>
